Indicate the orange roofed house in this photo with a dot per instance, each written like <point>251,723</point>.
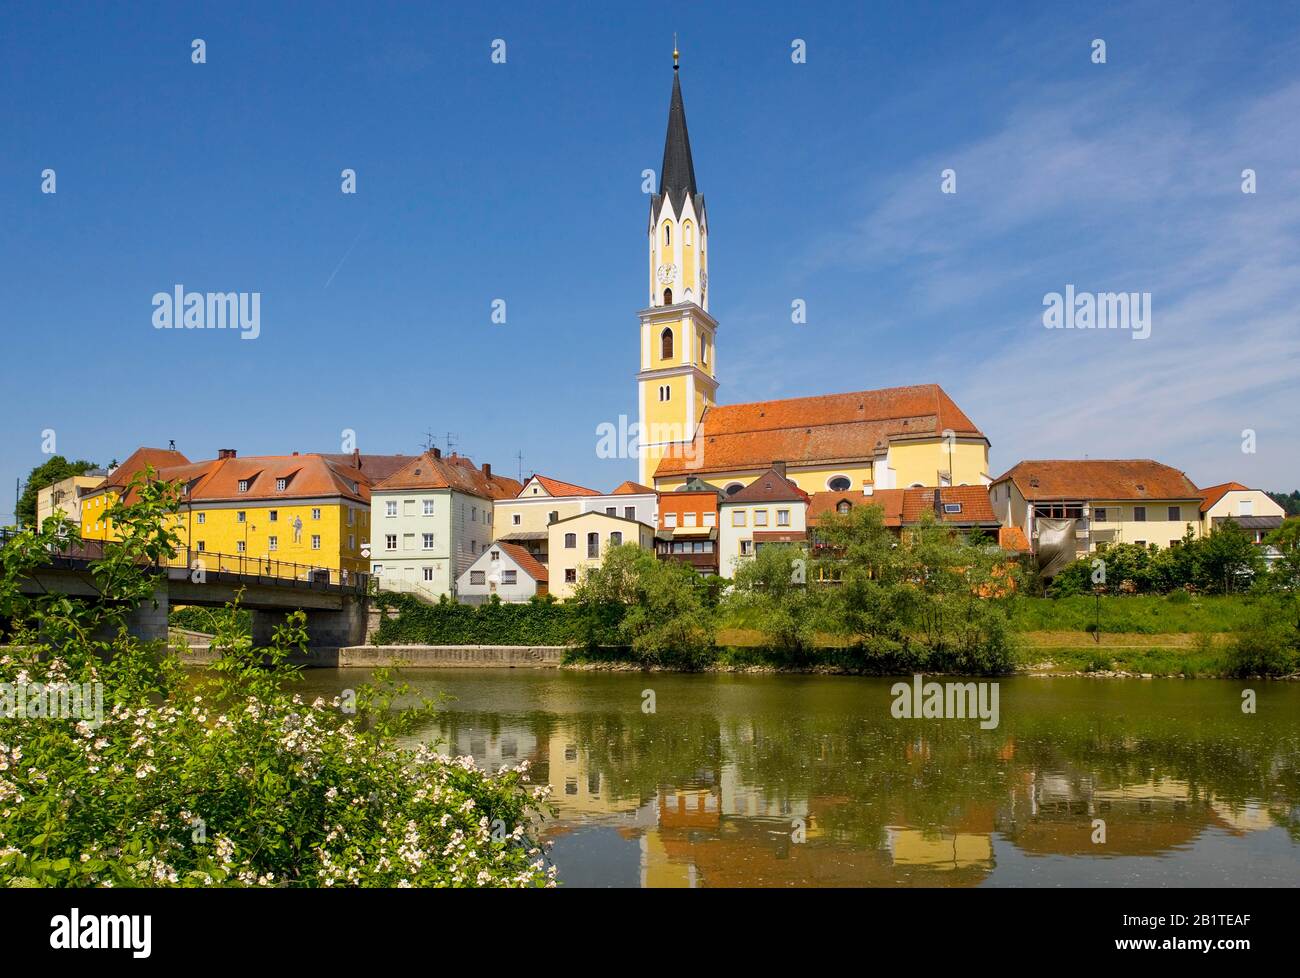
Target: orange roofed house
<point>542,501</point>
<point>1067,507</point>
<point>688,525</point>
<point>298,515</point>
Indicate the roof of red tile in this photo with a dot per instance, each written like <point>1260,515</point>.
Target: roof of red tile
<point>1013,539</point>
<point>557,488</point>
<point>1084,479</point>
<point>904,507</point>
<point>828,429</point>
<point>306,476</point>
<point>770,487</point>
<point>631,488</point>
<point>1212,494</point>
<point>455,472</point>
<point>373,467</point>
<point>529,564</point>
<point>137,461</point>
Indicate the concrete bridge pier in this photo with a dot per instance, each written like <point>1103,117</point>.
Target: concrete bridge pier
<point>326,628</point>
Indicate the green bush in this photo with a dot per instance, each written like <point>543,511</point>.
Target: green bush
<point>538,622</point>
<point>1263,650</point>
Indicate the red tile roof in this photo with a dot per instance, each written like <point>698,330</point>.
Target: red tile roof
<point>631,488</point>
<point>530,565</point>
<point>305,476</point>
<point>454,472</point>
<point>770,487</point>
<point>374,467</point>
<point>904,507</point>
<point>557,488</point>
<point>137,461</point>
<point>829,429</point>
<point>889,500</point>
<point>1212,494</point>
<point>1084,479</point>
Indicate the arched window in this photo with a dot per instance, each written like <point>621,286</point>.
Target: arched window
<point>593,544</point>
<point>668,234</point>
<point>666,337</point>
<point>838,483</point>
<point>844,506</point>
<point>734,488</point>
<point>668,297</point>
<point>686,233</point>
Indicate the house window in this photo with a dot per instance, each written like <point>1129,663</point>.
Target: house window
<point>239,546</point>
<point>1139,515</point>
<point>427,539</point>
<point>315,541</point>
<point>734,488</point>
<point>509,577</point>
<point>352,542</point>
<point>782,517</point>
<point>315,513</point>
<point>496,555</point>
<point>390,508</point>
<point>746,548</point>
<point>239,517</point>
<point>203,518</point>
<point>390,541</point>
<point>272,543</point>
<point>1175,514</point>
<point>1140,543</point>
<point>243,485</point>
<point>570,541</point>
<point>738,517</point>
<point>1245,507</point>
<point>514,519</point>
<point>843,506</point>
<point>428,573</point>
<point>428,507</point>
<point>952,508</point>
<point>593,544</point>
<point>280,484</point>
<point>611,510</point>
<point>760,517</point>
<point>379,570</point>
<point>670,520</point>
<point>666,338</point>
<point>710,519</point>
<point>629,512</point>
<point>273,515</point>
<point>1099,515</point>
<point>477,577</point>
<point>690,519</point>
<point>570,575</point>
<point>350,515</point>
<point>838,483</point>
<point>202,546</point>
<point>615,538</point>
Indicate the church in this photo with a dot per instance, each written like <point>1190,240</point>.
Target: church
<point>895,438</point>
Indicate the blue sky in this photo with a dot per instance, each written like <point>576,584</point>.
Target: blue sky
<point>522,181</point>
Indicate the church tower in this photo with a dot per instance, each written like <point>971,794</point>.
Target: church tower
<point>678,376</point>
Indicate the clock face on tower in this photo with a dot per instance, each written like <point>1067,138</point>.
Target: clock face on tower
<point>667,273</point>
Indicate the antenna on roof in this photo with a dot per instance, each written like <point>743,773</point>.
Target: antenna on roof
<point>429,441</point>
<point>519,456</point>
<point>453,440</point>
<point>171,445</point>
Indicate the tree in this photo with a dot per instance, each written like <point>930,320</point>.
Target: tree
<point>52,470</point>
<point>771,587</point>
<point>1229,558</point>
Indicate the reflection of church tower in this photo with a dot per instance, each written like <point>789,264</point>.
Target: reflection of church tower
<point>677,379</point>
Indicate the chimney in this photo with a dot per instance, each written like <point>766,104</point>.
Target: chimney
<point>437,453</point>
<point>295,453</point>
<point>779,468</point>
<point>487,470</point>
<point>938,503</point>
<point>226,453</point>
<point>356,459</point>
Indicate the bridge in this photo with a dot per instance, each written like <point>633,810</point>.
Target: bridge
<point>335,602</point>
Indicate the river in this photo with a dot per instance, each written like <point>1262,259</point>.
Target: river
<point>791,780</point>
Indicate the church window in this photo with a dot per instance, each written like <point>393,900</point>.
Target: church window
<point>668,297</point>
<point>668,233</point>
<point>734,488</point>
<point>686,233</point>
<point>839,483</point>
<point>666,337</point>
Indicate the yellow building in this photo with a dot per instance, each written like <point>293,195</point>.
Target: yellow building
<point>884,439</point>
<point>581,541</point>
<point>677,381</point>
<point>289,515</point>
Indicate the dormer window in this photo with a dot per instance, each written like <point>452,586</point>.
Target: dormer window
<point>243,485</point>
<point>281,485</point>
<point>843,506</point>
<point>953,508</point>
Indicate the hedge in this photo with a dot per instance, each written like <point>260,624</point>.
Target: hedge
<point>494,623</point>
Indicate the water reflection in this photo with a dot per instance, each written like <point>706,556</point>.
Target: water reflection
<point>793,781</point>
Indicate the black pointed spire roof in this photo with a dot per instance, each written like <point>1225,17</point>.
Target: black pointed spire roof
<point>677,176</point>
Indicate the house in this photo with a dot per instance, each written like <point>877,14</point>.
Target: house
<point>770,510</point>
<point>966,509</point>
<point>97,500</point>
<point>526,519</point>
<point>431,519</point>
<point>504,569</point>
<point>688,525</point>
<point>65,496</point>
<point>1068,507</point>
<point>1250,509</point>
<point>581,540</point>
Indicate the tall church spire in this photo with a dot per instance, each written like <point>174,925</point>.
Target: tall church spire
<point>677,175</point>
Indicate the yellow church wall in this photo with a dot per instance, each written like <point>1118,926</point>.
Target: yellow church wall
<point>920,462</point>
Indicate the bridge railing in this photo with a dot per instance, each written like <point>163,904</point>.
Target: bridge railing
<point>200,563</point>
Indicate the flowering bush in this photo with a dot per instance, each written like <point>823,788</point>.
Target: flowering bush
<point>227,778</point>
